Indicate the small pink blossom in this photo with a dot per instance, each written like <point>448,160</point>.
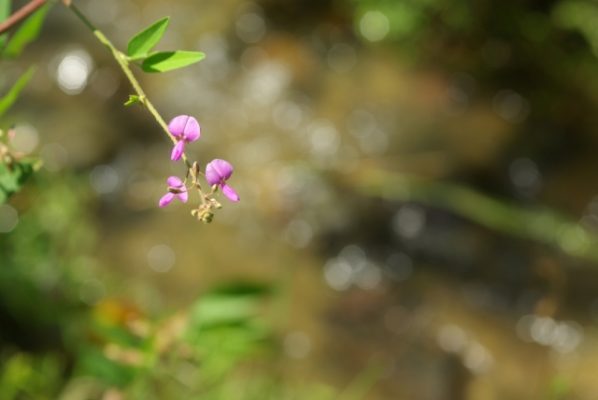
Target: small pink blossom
<point>176,188</point>
<point>217,173</point>
<point>185,129</point>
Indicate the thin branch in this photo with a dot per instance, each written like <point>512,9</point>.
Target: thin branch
<point>21,14</point>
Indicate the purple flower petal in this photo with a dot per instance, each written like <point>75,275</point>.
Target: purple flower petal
<point>177,125</point>
<point>177,150</point>
<point>185,127</point>
<point>218,171</point>
<point>230,193</point>
<point>212,176</point>
<point>183,196</point>
<point>174,182</point>
<point>192,131</point>
<point>166,199</point>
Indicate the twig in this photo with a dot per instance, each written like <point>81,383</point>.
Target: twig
<point>21,14</point>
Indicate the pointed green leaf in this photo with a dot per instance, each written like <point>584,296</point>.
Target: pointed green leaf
<point>9,99</point>
<point>169,60</point>
<point>4,13</point>
<point>145,40</point>
<point>27,33</point>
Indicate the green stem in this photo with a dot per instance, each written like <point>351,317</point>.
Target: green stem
<point>537,224</point>
<point>123,62</point>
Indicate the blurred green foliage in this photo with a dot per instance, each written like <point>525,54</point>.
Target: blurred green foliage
<point>457,28</point>
<point>580,16</point>
<point>26,33</point>
<point>501,44</point>
<point>27,376</point>
<point>13,176</point>
<point>59,341</point>
<point>14,169</point>
<point>9,99</point>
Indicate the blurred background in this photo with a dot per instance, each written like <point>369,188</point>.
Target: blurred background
<point>418,215</point>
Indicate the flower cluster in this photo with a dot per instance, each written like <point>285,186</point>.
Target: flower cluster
<point>185,129</point>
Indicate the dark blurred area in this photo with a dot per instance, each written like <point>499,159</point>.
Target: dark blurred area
<point>419,202</point>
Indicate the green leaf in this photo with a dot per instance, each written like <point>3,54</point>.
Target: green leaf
<point>231,305</point>
<point>169,60</point>
<point>14,176</point>
<point>144,41</point>
<point>241,288</point>
<point>9,99</point>
<point>224,310</point>
<point>4,13</point>
<point>93,362</point>
<point>27,33</point>
<point>133,99</point>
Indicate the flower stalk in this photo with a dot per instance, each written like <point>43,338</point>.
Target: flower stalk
<point>181,130</point>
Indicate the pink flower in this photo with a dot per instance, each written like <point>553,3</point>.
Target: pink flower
<point>217,173</point>
<point>185,129</point>
<point>176,188</point>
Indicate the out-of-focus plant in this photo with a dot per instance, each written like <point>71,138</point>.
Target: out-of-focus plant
<point>581,16</point>
<point>43,269</point>
<point>25,34</point>
<point>197,352</point>
<point>544,55</point>
<point>497,45</point>
<point>15,168</point>
<point>63,335</point>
